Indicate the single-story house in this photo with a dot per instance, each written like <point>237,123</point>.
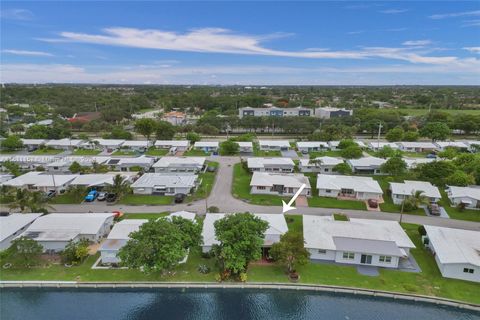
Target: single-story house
<point>377,243</point>
<point>400,191</point>
<point>64,144</point>
<point>352,187</point>
<point>207,146</point>
<point>180,145</point>
<point>33,144</point>
<point>455,251</point>
<point>274,145</point>
<point>467,196</point>
<point>164,185</point>
<point>98,180</point>
<point>333,145</point>
<point>104,144</point>
<point>29,162</point>
<point>13,225</point>
<point>270,164</point>
<point>5,177</point>
<point>322,165</point>
<point>179,165</point>
<point>286,184</point>
<point>309,146</point>
<point>375,146</point>
<point>473,146</point>
<point>245,146</point>
<point>137,145</point>
<point>62,164</point>
<point>417,146</point>
<point>126,164</point>
<point>442,145</point>
<point>277,226</point>
<point>366,165</point>
<point>53,231</point>
<point>39,181</point>
<point>414,162</point>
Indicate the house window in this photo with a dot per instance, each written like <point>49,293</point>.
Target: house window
<point>326,169</point>
<point>386,259</point>
<point>468,270</point>
<point>348,255</point>
<point>328,191</point>
<point>260,188</point>
<point>322,251</point>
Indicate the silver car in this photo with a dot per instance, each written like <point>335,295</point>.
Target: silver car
<point>101,196</point>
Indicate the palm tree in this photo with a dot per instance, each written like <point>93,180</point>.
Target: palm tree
<point>33,201</point>
<point>20,200</point>
<point>120,186</point>
<point>416,199</point>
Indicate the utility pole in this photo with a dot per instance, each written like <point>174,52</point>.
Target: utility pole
<point>378,137</point>
<point>401,210</point>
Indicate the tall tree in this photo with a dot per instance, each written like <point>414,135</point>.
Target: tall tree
<point>25,250</point>
<point>120,186</point>
<point>165,130</point>
<point>146,127</point>
<point>290,251</point>
<point>394,166</point>
<point>11,143</point>
<point>435,131</point>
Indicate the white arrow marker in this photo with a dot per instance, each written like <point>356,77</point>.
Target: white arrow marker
<point>288,207</point>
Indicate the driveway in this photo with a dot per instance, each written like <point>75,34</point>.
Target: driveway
<point>289,154</point>
<point>301,201</point>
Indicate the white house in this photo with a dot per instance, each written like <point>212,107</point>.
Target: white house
<point>285,184</point>
<point>270,164</point>
<point>414,162</point>
<point>98,180</point>
<point>179,165</point>
<point>53,231</point>
<point>309,146</point>
<point>333,145</point>
<point>442,145</point>
<point>104,144</point>
<point>366,165</point>
<point>473,146</point>
<point>467,196</point>
<point>29,162</point>
<point>377,145</point>
<point>13,225</point>
<point>353,187</point>
<point>456,252</point>
<point>130,164</point>
<point>322,165</point>
<point>378,243</point>
<point>207,146</point>
<point>180,145</point>
<point>274,145</point>
<point>137,145</point>
<point>277,226</point>
<point>164,185</point>
<point>245,146</point>
<point>39,181</point>
<point>417,146</point>
<point>33,144</point>
<point>400,191</point>
<point>5,177</point>
<point>62,164</point>
<point>64,144</point>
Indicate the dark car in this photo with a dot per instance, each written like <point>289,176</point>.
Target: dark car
<point>372,203</point>
<point>111,197</point>
<point>50,194</point>
<point>211,169</point>
<point>179,197</point>
<point>434,209</point>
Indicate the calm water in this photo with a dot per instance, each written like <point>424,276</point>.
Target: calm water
<point>73,304</point>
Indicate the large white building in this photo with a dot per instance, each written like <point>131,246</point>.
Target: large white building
<point>377,145</point>
<point>130,163</point>
<point>164,185</point>
<point>400,191</point>
<point>179,165</point>
<point>64,144</point>
<point>328,112</point>
<point>456,252</point>
<point>13,225</point>
<point>378,243</point>
<point>359,188</point>
<point>270,164</point>
<point>272,111</point>
<point>466,196</point>
<point>286,184</point>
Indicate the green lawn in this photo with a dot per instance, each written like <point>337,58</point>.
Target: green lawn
<point>329,153</point>
<point>262,153</point>
<point>204,189</point>
<point>195,152</point>
<point>156,152</point>
<point>47,151</point>
<point>144,215</point>
<point>140,199</point>
<point>8,151</point>
<point>65,199</point>
<point>124,153</point>
<point>419,112</point>
<point>455,213</point>
<point>86,152</point>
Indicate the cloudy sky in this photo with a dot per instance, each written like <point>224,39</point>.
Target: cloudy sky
<point>324,43</point>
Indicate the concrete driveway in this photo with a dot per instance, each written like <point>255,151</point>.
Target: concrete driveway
<point>289,154</point>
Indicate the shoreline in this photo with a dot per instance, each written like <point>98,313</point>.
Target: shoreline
<point>260,285</point>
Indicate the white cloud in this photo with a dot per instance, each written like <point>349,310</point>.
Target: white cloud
<point>417,43</point>
<point>393,11</point>
<point>455,14</point>
<point>216,40</point>
<point>16,14</point>
<point>27,53</point>
<point>471,23</point>
<point>473,49</point>
<point>356,32</point>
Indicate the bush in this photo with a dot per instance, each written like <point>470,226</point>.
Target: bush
<point>243,277</point>
<point>409,206</point>
<point>203,269</point>
<point>213,209</point>
<point>422,231</point>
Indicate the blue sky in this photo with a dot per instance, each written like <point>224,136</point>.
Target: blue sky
<point>324,43</point>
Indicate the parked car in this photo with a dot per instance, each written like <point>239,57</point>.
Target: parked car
<point>372,203</point>
<point>91,196</point>
<point>179,197</point>
<point>102,196</point>
<point>211,169</point>
<point>111,197</point>
<point>50,194</point>
<point>434,209</point>
<point>431,156</point>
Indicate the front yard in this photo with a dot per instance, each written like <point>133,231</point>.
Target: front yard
<point>196,152</point>
<point>124,153</point>
<point>141,199</point>
<point>86,152</point>
<point>47,151</point>
<point>156,152</point>
<point>326,153</point>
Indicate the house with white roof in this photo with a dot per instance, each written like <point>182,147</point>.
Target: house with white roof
<point>5,177</point>
<point>323,165</point>
<point>62,164</point>
<point>64,144</point>
<point>29,162</point>
<point>465,196</point>
<point>14,225</point>
<point>417,146</point>
<point>179,165</point>
<point>274,145</point>
<point>377,243</point>
<point>40,181</point>
<point>130,163</point>
<point>180,145</point>
<point>270,164</point>
<point>350,187</point>
<point>164,185</point>
<point>360,143</point>
<point>98,180</point>
<point>333,145</point>
<point>207,146</point>
<point>414,162</point>
<point>33,144</point>
<point>377,145</point>
<point>53,231</point>
<point>400,191</point>
<point>286,184</point>
<point>245,146</point>
<point>277,226</point>
<point>473,146</point>
<point>309,146</point>
<point>104,144</point>
<point>366,165</point>
<point>137,145</point>
<point>442,145</point>
<point>456,252</point>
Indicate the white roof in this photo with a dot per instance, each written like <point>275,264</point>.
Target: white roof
<point>360,143</point>
<point>289,180</point>
<point>172,143</point>
<point>333,143</point>
<point>262,162</point>
<point>413,162</point>
<point>66,226</point>
<point>12,223</point>
<point>33,141</point>
<point>380,145</point>
<point>245,144</point>
<point>455,245</point>
<point>312,144</point>
<point>40,179</point>
<point>455,144</point>
<point>274,143</point>
<point>325,161</point>
<point>183,214</point>
<point>150,180</point>
<point>136,143</point>
<point>122,229</point>
<point>409,187</point>
<point>369,162</point>
<point>206,144</point>
<point>180,162</point>
<point>110,142</point>
<point>276,225</point>
<point>29,159</point>
<point>358,184</point>
<point>320,232</point>
<point>472,142</point>
<point>417,144</point>
<point>64,142</point>
<point>142,160</point>
<point>94,179</point>
<point>459,192</point>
